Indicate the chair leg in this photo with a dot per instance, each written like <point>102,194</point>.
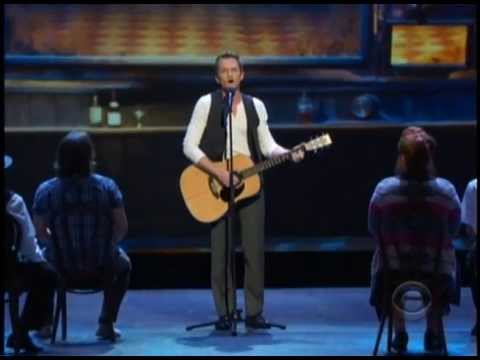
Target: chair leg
<point>14,300</point>
<point>64,315</point>
<point>379,334</point>
<point>390,326</point>
<point>56,318</point>
<point>444,339</point>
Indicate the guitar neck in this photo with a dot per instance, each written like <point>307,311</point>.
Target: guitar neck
<point>264,165</point>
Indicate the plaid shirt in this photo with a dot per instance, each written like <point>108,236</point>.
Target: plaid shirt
<point>99,194</point>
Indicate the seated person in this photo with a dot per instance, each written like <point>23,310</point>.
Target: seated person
<point>76,184</point>
<point>469,218</point>
<point>397,218</point>
<point>32,272</point>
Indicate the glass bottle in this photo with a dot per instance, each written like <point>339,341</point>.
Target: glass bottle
<point>114,118</point>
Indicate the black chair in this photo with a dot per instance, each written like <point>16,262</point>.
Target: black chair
<point>73,278</point>
<point>13,285</point>
<point>408,275</point>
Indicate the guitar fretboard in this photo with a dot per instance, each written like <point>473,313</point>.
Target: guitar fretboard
<point>267,164</point>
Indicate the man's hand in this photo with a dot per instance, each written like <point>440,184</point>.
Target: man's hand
<point>297,154</point>
<point>224,177</point>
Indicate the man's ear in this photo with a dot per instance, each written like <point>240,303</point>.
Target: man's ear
<point>217,80</point>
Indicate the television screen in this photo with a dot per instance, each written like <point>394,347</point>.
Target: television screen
<point>429,45</point>
<point>181,33</point>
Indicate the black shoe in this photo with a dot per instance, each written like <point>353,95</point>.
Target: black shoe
<point>222,324</point>
<point>432,342</point>
<point>25,342</point>
<point>257,322</point>
<point>400,342</point>
<point>474,330</point>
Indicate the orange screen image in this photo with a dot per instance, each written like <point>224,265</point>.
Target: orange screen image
<point>429,45</point>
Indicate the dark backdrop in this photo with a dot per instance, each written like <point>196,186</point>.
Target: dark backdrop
<point>326,195</point>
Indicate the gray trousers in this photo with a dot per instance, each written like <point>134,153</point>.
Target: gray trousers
<point>249,226</point>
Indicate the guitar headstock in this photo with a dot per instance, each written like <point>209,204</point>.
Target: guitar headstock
<point>318,142</point>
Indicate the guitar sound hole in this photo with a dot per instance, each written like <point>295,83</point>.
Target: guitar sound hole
<point>225,193</point>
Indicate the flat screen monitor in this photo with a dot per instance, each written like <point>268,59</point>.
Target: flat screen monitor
<point>430,46</point>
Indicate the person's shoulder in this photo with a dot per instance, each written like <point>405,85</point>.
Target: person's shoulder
<point>258,104</point>
<point>47,184</point>
<point>205,99</point>
<point>472,185</point>
<point>443,183</point>
<point>445,187</point>
<point>103,181</point>
<point>257,101</point>
<point>388,183</point>
<point>386,187</point>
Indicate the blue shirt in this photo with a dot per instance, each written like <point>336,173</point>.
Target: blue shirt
<point>84,246</point>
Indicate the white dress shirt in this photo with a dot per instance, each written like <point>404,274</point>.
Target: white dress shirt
<point>199,119</point>
<point>29,250</point>
<point>469,205</point>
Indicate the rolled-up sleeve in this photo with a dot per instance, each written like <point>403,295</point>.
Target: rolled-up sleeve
<point>195,129</point>
<point>266,140</point>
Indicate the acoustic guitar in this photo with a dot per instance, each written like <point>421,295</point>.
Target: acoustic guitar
<point>207,199</point>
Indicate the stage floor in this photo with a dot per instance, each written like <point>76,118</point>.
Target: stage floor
<point>320,321</point>
<point>191,244</point>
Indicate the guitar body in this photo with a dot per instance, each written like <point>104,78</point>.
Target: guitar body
<point>206,198</point>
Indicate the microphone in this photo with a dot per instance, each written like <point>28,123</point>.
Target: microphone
<point>230,92</point>
<point>230,95</point>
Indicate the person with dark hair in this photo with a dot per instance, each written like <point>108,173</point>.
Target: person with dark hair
<point>32,272</point>
<point>469,218</point>
<point>76,184</point>
<point>408,234</point>
<point>206,141</point>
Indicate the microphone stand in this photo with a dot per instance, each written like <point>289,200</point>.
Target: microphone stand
<point>232,316</point>
<point>229,240</point>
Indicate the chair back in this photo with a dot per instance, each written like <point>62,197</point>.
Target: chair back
<point>82,241</point>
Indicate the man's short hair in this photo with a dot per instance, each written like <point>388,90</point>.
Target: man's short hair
<point>228,55</point>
